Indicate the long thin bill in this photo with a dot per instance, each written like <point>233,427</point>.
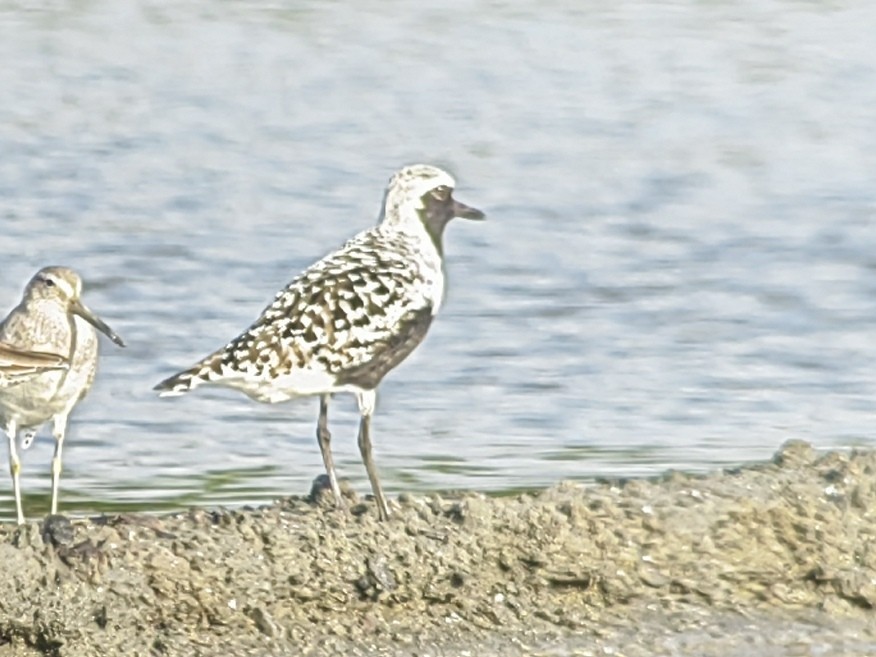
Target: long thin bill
<point>80,309</point>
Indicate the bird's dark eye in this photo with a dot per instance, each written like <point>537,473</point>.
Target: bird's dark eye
<point>441,193</point>
<point>49,282</point>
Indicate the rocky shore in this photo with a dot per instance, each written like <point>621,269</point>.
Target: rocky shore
<point>772,559</point>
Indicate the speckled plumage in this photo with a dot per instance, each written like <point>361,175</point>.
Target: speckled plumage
<point>50,318</point>
<point>350,318</point>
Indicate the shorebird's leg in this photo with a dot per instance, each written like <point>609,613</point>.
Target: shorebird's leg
<point>367,400</point>
<point>59,429</point>
<point>325,439</point>
<point>15,468</point>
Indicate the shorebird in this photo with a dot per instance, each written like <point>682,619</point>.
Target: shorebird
<point>348,319</point>
<point>50,318</point>
<point>16,365</point>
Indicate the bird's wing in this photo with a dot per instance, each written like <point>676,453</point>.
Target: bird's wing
<point>354,315</point>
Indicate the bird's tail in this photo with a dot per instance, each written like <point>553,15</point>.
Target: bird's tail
<point>206,371</point>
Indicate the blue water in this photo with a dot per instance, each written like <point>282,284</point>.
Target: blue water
<point>678,271</point>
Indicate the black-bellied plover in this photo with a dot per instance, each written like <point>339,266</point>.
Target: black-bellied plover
<point>350,318</point>
<point>17,365</point>
<point>50,318</point>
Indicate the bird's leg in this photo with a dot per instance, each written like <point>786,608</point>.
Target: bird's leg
<point>15,469</point>
<point>367,400</point>
<point>325,439</point>
<point>59,429</point>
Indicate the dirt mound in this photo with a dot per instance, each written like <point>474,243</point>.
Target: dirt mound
<point>795,536</point>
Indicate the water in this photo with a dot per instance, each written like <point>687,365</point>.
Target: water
<point>678,270</point>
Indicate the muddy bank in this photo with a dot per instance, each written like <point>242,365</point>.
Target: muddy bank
<point>570,570</point>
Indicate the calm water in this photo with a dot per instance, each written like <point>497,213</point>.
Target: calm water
<point>679,268</point>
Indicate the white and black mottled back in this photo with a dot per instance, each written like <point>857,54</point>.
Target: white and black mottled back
<point>348,319</point>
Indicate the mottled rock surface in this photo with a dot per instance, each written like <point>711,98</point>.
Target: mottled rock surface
<point>772,559</point>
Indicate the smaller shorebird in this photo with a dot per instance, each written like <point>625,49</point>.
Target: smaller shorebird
<point>16,365</point>
<point>50,318</point>
<point>349,319</point>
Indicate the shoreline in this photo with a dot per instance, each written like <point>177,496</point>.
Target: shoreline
<point>782,544</point>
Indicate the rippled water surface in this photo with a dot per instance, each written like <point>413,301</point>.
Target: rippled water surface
<point>678,271</point>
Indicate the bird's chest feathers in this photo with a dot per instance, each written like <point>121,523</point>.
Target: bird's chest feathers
<point>434,289</point>
<point>430,269</point>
